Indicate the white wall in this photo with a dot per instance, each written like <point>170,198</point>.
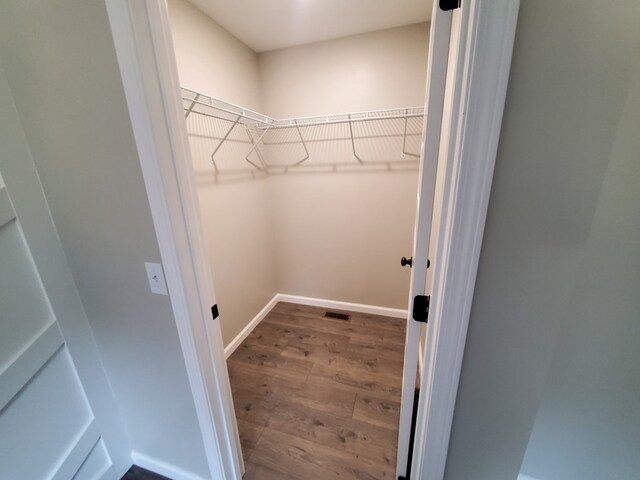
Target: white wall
<point>210,59</point>
<point>236,215</point>
<point>588,423</point>
<point>340,236</point>
<point>60,64</point>
<point>377,70</point>
<point>553,334</point>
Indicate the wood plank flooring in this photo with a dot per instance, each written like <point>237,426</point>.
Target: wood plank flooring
<point>319,398</point>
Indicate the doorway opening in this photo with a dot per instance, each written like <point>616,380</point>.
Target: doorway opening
<point>469,53</point>
<point>306,151</point>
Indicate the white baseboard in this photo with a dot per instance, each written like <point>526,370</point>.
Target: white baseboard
<point>315,302</point>
<point>162,468</point>
<point>235,343</point>
<point>525,477</point>
<point>352,307</point>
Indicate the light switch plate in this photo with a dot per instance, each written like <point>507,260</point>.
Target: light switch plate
<point>156,278</point>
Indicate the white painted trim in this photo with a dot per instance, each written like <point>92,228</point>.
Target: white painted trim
<point>316,302</point>
<point>162,468</point>
<point>477,106</point>
<point>437,76</point>
<point>144,51</point>
<point>420,358</point>
<point>338,305</point>
<point>235,343</point>
<point>526,477</point>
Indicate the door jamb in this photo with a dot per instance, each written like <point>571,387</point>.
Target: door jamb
<point>145,55</point>
<point>437,79</point>
<point>487,34</point>
<point>144,50</point>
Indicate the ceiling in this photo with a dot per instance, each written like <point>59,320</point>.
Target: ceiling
<point>270,24</point>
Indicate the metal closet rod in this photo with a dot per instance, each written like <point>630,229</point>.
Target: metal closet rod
<point>263,123</point>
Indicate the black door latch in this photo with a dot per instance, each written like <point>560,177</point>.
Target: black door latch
<point>420,311</point>
<point>446,5</point>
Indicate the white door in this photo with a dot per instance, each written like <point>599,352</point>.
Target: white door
<point>58,418</point>
<point>435,92</point>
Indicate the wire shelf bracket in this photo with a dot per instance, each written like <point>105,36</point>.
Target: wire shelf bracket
<point>404,141</point>
<point>226,135</point>
<point>304,145</point>
<point>353,143</point>
<point>253,148</point>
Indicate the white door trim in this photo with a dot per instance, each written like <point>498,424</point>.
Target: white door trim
<point>144,49</point>
<point>149,73</point>
<point>437,77</point>
<point>487,32</point>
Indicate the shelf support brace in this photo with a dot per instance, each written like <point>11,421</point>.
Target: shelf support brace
<point>353,143</point>
<point>226,135</point>
<point>304,145</point>
<point>193,104</point>
<point>255,145</point>
<point>264,165</point>
<point>404,139</point>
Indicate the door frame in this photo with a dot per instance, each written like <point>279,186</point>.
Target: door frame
<point>441,49</point>
<point>482,61</point>
<point>148,69</point>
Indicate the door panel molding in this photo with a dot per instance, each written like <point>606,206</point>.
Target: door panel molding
<point>78,453</point>
<point>29,362</point>
<point>58,360</point>
<point>96,465</point>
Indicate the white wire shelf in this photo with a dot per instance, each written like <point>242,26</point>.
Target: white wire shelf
<point>396,113</point>
<point>199,103</point>
<point>222,133</point>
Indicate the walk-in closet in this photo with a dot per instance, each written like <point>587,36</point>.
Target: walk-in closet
<point>305,122</point>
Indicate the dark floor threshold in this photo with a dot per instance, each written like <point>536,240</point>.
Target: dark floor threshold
<point>137,473</point>
<point>414,418</point>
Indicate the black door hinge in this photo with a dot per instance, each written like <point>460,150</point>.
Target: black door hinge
<point>449,4</point>
<point>214,312</point>
<point>421,308</point>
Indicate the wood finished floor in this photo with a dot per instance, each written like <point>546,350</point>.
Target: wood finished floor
<point>319,398</point>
